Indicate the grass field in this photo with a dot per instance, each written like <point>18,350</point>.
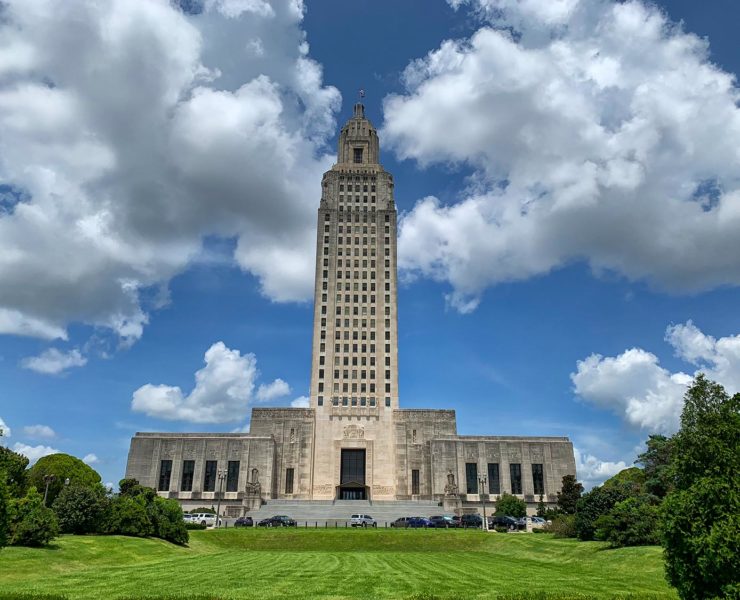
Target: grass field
<point>333,564</point>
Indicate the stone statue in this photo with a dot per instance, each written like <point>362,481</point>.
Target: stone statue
<point>253,487</point>
<point>451,487</point>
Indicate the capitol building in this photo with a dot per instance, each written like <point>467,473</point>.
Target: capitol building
<point>354,442</point>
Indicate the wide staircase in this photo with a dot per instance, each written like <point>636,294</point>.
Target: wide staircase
<point>323,513</point>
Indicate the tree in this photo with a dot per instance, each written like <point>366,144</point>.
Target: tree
<point>511,506</point>
<point>700,517</point>
<point>3,510</point>
<point>80,509</point>
<point>14,465</point>
<point>128,516</point>
<point>541,507</point>
<point>656,462</point>
<point>600,500</point>
<point>62,467</point>
<point>31,523</point>
<point>166,516</point>
<point>569,494</point>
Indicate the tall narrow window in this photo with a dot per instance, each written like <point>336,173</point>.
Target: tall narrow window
<point>165,473</point>
<point>515,470</point>
<point>209,477</point>
<point>186,481</point>
<point>538,479</point>
<point>415,481</point>
<point>494,480</point>
<point>232,476</point>
<point>471,477</point>
<point>289,481</point>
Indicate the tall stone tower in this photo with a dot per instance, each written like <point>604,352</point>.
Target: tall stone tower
<point>354,374</point>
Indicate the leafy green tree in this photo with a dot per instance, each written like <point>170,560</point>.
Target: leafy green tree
<point>656,464</point>
<point>569,494</point>
<point>128,516</point>
<point>61,467</point>
<point>3,510</point>
<point>700,524</point>
<point>14,465</point>
<point>630,522</point>
<point>31,523</point>
<point>511,506</point>
<point>166,516</point>
<point>600,500</point>
<point>562,526</point>
<point>541,507</point>
<point>80,509</point>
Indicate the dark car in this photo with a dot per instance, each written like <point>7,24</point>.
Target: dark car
<point>278,521</point>
<point>504,521</point>
<point>419,522</point>
<point>401,522</point>
<point>469,521</point>
<point>443,521</point>
<point>244,522</point>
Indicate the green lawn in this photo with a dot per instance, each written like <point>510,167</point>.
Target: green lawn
<point>302,564</point>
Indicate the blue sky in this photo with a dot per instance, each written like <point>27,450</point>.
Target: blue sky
<point>567,175</point>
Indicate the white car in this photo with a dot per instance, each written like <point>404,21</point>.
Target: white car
<point>207,519</point>
<point>362,521</point>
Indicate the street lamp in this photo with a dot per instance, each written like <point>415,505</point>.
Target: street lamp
<point>221,476</point>
<point>48,479</point>
<point>482,480</point>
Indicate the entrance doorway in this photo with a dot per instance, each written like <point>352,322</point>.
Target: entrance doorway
<point>352,478</point>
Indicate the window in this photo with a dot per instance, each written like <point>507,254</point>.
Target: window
<point>186,482</point>
<point>358,159</point>
<point>232,476</point>
<point>494,481</point>
<point>415,481</point>
<point>515,470</point>
<point>289,480</point>
<point>471,477</point>
<point>538,479</point>
<point>321,398</point>
<point>209,477</point>
<point>165,473</point>
<point>388,402</point>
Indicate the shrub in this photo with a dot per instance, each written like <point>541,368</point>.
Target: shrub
<point>539,530</point>
<point>600,500</point>
<point>562,526</point>
<point>128,516</point>
<point>631,522</point>
<point>14,465</point>
<point>80,509</point>
<point>31,523</point>
<point>202,509</point>
<point>166,517</point>
<point>700,518</point>
<point>511,506</point>
<point>501,529</point>
<point>195,526</point>
<point>61,467</point>
<point>3,510</point>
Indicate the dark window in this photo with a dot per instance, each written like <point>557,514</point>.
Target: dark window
<point>538,478</point>
<point>494,480</point>
<point>232,476</point>
<point>358,157</point>
<point>165,472</point>
<point>289,481</point>
<point>388,402</point>
<point>515,470</point>
<point>321,401</point>
<point>209,477</point>
<point>471,477</point>
<point>186,482</point>
<point>353,466</point>
<point>415,481</point>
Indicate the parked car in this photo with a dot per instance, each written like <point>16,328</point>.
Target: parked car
<point>504,521</point>
<point>188,518</point>
<point>472,520</point>
<point>278,521</point>
<point>244,522</point>
<point>418,522</point>
<point>538,522</point>
<point>401,522</point>
<point>207,519</point>
<point>362,521</point>
<point>443,521</point>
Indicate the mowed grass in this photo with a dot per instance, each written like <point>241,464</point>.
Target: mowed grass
<point>333,564</point>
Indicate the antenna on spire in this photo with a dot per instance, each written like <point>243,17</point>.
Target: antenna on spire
<point>361,93</point>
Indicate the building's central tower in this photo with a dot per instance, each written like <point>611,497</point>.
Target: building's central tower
<point>354,374</point>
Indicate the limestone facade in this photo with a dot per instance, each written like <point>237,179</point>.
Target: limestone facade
<point>354,442</point>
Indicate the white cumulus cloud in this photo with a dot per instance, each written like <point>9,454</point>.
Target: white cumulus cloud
<point>39,432</point>
<point>301,402</point>
<point>598,132</point>
<point>647,395</point>
<point>592,471</point>
<point>90,459</point>
<point>53,361</point>
<point>271,391</point>
<point>223,390</point>
<point>131,131</point>
<point>33,453</point>
<point>7,431</point>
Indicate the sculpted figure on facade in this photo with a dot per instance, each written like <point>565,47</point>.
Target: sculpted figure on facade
<point>451,487</point>
<point>253,486</point>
